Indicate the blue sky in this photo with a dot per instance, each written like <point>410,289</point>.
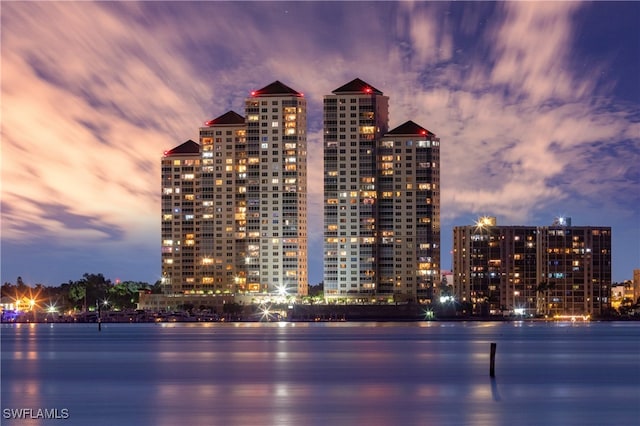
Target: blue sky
<point>537,106</point>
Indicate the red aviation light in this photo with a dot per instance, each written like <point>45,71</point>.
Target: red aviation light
<point>209,123</point>
<point>423,132</point>
<point>253,93</point>
<point>368,90</point>
<point>165,153</point>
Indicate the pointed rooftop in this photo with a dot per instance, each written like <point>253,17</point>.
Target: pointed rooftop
<point>357,86</point>
<point>410,128</point>
<point>188,148</point>
<point>228,118</point>
<point>276,88</point>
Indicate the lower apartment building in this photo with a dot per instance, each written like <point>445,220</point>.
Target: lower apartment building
<point>548,271</point>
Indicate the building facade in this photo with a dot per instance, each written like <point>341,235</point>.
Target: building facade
<point>532,270</point>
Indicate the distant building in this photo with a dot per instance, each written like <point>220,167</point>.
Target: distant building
<point>636,286</point>
<point>532,270</point>
<point>574,270</point>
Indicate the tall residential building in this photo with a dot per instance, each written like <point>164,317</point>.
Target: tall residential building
<point>222,220</point>
<point>234,207</point>
<point>356,115</point>
<point>180,190</point>
<point>381,200</point>
<point>276,191</point>
<point>408,213</point>
<point>555,270</point>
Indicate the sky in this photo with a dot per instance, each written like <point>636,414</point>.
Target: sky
<point>537,106</point>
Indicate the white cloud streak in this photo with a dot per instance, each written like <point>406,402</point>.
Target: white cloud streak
<point>94,92</point>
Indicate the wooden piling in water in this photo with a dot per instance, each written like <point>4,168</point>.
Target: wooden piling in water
<point>492,361</point>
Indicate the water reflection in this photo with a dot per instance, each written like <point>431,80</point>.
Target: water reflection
<point>494,390</point>
<point>307,374</point>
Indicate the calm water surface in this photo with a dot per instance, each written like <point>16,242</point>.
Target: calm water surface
<point>323,373</point>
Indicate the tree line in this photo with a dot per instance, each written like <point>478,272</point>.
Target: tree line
<point>81,294</point>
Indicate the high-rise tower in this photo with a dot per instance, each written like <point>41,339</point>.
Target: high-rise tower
<point>180,186</point>
<point>276,191</point>
<point>408,210</point>
<point>222,216</point>
<point>356,115</point>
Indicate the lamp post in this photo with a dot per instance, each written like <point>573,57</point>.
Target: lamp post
<point>98,308</point>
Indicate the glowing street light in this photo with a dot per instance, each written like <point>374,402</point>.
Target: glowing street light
<point>281,289</point>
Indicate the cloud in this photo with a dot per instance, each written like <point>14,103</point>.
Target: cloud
<point>93,93</point>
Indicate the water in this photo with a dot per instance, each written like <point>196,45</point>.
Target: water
<point>323,373</point>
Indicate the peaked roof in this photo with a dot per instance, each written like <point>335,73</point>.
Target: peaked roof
<point>357,86</point>
<point>230,117</point>
<point>188,148</point>
<point>410,128</point>
<point>275,88</point>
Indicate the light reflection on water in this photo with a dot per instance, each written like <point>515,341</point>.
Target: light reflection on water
<point>327,373</point>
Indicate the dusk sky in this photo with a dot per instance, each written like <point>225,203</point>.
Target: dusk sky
<point>537,106</point>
